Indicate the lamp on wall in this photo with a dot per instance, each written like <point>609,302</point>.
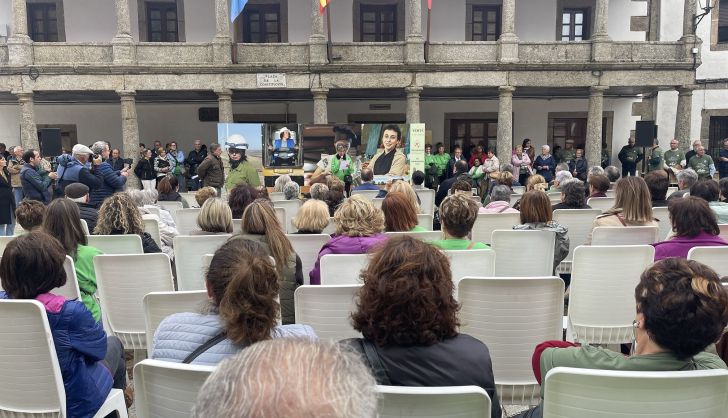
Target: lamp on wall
<point>706,10</point>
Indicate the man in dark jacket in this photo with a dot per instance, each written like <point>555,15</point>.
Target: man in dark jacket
<point>461,170</point>
<point>630,156</point>
<point>194,159</point>
<point>35,186</point>
<point>72,168</point>
<point>211,170</point>
<point>111,181</point>
<point>78,193</point>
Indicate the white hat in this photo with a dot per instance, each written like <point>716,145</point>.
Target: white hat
<point>236,141</point>
<point>81,149</point>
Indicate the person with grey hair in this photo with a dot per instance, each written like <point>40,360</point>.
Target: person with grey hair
<point>111,181</point>
<point>146,201</point>
<point>612,173</point>
<point>545,164</point>
<point>318,191</point>
<point>561,176</point>
<point>280,182</point>
<point>685,180</point>
<point>594,171</point>
<point>291,190</point>
<point>284,378</point>
<point>573,195</point>
<point>367,177</point>
<point>500,201</point>
<point>72,169</point>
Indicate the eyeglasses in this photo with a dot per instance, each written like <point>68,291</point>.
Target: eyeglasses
<point>340,147</point>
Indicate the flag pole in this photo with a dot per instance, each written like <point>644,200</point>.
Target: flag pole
<point>328,30</point>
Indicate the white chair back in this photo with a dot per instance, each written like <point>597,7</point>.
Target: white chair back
<point>663,216</point>
<point>117,244</point>
<point>152,210</point>
<point>425,220</point>
<point>151,227</point>
<point>378,202</point>
<point>69,290</point>
<point>159,305</point>
<point>238,223</point>
<point>470,263</point>
<point>4,242</point>
<point>330,228</point>
<point>369,194</point>
<point>625,235</point>
<point>188,250</point>
<point>601,203</point>
<point>486,223</point>
<point>714,257</point>
<point>670,191</point>
<point>425,236</point>
<point>166,389</point>
<point>170,206</point>
<point>307,246</point>
<point>84,226</point>
<point>427,200</point>
<point>206,261</point>
<point>123,281</point>
<point>519,189</point>
<point>276,196</point>
<point>186,220</point>
<point>342,269</point>
<point>523,253</point>
<point>580,223</point>
<point>433,402</point>
<point>571,393</point>
<point>291,208</point>
<point>512,316</point>
<point>190,198</point>
<point>610,193</point>
<point>327,310</point>
<point>601,295</point>
<point>723,231</point>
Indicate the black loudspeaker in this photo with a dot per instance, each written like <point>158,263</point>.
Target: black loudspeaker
<point>50,142</point>
<point>645,133</point>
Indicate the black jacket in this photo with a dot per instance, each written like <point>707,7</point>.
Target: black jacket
<point>7,198</point>
<point>447,184</point>
<point>89,214</point>
<point>195,158</point>
<point>144,170</point>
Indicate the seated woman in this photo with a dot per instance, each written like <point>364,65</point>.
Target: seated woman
<point>119,215</point>
<point>572,195</point>
<point>406,188</point>
<point>312,217</point>
<point>91,364</point>
<point>682,308</point>
<point>359,227</point>
<point>260,224</point>
<point>63,221</point>
<point>205,193</point>
<point>632,206</point>
<point>390,161</point>
<point>215,218</point>
<point>291,190</point>
<point>280,182</point>
<point>500,201</point>
<point>710,191</point>
<point>240,197</point>
<point>29,214</point>
<point>693,224</point>
<point>146,201</point>
<point>168,189</point>
<point>335,196</point>
<point>458,213</point>
<point>536,214</point>
<point>409,319</point>
<point>400,215</point>
<point>242,284</point>
<point>598,185</point>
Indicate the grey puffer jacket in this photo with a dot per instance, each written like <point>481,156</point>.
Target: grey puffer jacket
<point>561,245</point>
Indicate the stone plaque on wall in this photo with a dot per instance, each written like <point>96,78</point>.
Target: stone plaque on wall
<point>271,81</point>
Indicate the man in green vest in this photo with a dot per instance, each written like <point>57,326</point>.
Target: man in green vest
<point>630,156</point>
<point>568,154</point>
<point>702,164</point>
<point>656,160</point>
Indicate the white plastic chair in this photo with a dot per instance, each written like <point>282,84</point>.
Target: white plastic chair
<point>511,316</point>
<point>70,290</point>
<point>663,216</point>
<point>206,261</point>
<point>32,384</point>
<point>723,231</point>
<point>369,194</point>
<point>117,244</point>
<point>84,226</point>
<point>159,305</point>
<point>425,220</point>
<point>427,200</point>
<point>330,228</point>
<point>167,389</point>
<point>601,203</point>
<point>670,191</point>
<point>186,220</point>
<point>188,250</point>
<point>238,223</point>
<point>342,269</point>
<point>486,223</point>
<point>571,393</point>
<point>327,310</point>
<point>425,236</point>
<point>307,246</point>
<point>151,227</point>
<point>433,402</point>
<point>471,263</point>
<point>601,295</point>
<point>123,281</point>
<point>170,206</point>
<point>625,235</point>
<point>580,223</point>
<point>291,208</point>
<point>523,253</point>
<point>190,198</point>
<point>610,193</point>
<point>714,257</point>
<point>276,196</point>
<point>152,210</point>
<point>519,189</point>
<point>4,242</point>
<point>378,202</point>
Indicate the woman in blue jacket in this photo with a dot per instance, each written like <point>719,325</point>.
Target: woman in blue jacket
<point>91,364</point>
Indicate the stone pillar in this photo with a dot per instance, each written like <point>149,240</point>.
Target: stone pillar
<point>122,45</point>
<point>320,109</point>
<point>689,21</point>
<point>130,133</point>
<point>683,116</point>
<point>508,41</point>
<point>225,105</point>
<point>593,151</point>
<point>20,46</point>
<point>415,46</point>
<point>505,123</point>
<point>601,50</point>
<point>28,130</point>
<point>317,39</point>
<point>222,44</point>
<point>413,103</point>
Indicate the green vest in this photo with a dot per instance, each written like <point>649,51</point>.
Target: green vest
<point>701,165</point>
<point>673,158</point>
<point>656,160</point>
<point>568,155</point>
<point>336,164</point>
<point>439,160</point>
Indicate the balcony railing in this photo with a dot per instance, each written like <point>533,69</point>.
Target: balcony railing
<point>463,52</point>
<point>67,53</point>
<point>272,54</point>
<point>177,53</point>
<point>554,52</point>
<point>367,53</point>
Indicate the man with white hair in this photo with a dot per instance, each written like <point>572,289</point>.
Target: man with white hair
<point>702,164</point>
<point>111,181</point>
<point>318,191</point>
<point>73,168</point>
<point>289,378</point>
<point>561,176</point>
<point>685,180</point>
<point>291,190</point>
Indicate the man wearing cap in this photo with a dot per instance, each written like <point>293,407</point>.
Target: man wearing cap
<point>72,168</point>
<point>630,156</point>
<point>339,164</point>
<point>568,155</point>
<point>78,193</point>
<point>111,181</point>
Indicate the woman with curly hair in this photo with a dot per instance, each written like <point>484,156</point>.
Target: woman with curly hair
<point>409,319</point>
<point>119,215</point>
<point>359,226</point>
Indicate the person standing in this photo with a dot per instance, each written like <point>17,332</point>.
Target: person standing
<point>15,164</point>
<point>630,156</point>
<point>723,160</point>
<point>117,163</point>
<point>702,164</point>
<point>72,168</point>
<point>111,181</point>
<point>545,164</point>
<point>194,159</point>
<point>211,171</point>
<point>7,200</point>
<point>145,171</point>
<point>657,160</point>
<point>606,158</point>
<point>35,185</point>
<point>441,158</point>
<point>521,164</point>
<point>162,165</point>
<point>528,149</point>
<point>568,154</point>
<point>457,155</point>
<point>177,161</point>
<point>579,165</point>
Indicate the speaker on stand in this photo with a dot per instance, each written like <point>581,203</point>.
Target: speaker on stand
<point>644,136</point>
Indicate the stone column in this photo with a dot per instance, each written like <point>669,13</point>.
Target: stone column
<point>593,151</point>
<point>28,130</point>
<point>222,44</point>
<point>413,103</point>
<point>317,39</point>
<point>508,41</point>
<point>505,123</point>
<point>225,105</point>
<point>20,46</point>
<point>689,21</point>
<point>122,45</point>
<point>415,46</point>
<point>683,116</point>
<point>320,109</point>
<point>130,133</point>
<point>601,50</point>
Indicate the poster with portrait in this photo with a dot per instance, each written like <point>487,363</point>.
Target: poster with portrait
<point>332,150</point>
<point>283,146</point>
<point>244,136</point>
<point>393,150</point>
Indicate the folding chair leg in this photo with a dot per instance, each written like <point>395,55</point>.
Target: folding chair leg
<point>139,355</point>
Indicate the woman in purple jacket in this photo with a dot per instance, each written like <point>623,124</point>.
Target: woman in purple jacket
<point>359,226</point>
<point>694,225</point>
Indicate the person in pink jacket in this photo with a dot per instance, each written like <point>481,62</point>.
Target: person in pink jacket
<point>521,164</point>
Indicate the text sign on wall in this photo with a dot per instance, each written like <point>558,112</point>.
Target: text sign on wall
<point>271,81</point>
<point>417,147</point>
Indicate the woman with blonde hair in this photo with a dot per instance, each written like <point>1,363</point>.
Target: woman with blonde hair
<point>359,226</point>
<point>536,182</point>
<point>406,189</point>
<point>260,224</point>
<point>312,217</point>
<point>215,218</point>
<point>632,206</point>
<point>119,215</point>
